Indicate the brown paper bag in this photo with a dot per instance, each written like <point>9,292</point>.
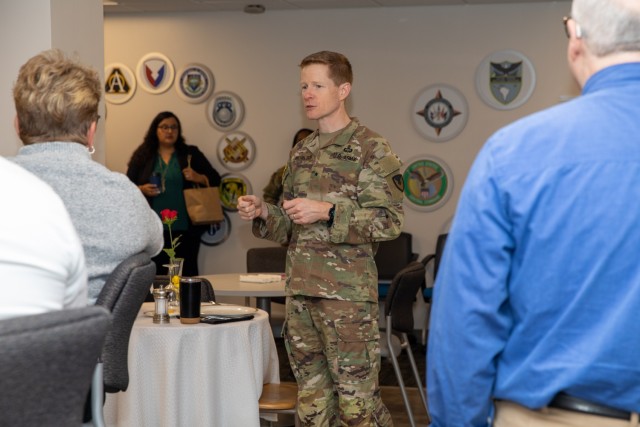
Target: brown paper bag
<point>203,205</point>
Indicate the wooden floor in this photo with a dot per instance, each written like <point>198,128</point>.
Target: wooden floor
<point>391,395</point>
<point>392,398</point>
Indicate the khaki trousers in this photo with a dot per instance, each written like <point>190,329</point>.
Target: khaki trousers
<point>509,414</point>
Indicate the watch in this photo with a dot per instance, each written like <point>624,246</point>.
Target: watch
<point>332,213</point>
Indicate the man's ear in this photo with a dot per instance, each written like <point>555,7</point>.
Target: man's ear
<point>16,125</point>
<point>344,90</point>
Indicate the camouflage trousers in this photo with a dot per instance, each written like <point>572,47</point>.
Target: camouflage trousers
<point>334,351</point>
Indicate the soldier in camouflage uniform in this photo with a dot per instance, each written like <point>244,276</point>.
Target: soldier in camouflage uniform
<point>342,194</point>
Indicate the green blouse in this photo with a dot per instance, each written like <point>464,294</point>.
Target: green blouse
<point>171,196</point>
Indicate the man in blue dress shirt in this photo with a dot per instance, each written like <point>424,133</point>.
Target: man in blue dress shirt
<point>536,317</point>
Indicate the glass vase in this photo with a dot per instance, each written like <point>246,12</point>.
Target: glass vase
<point>174,272</point>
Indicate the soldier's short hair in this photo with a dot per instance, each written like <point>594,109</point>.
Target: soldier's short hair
<point>339,66</point>
<point>56,98</point>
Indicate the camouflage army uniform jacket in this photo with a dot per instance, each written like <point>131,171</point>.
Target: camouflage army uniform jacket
<point>360,175</point>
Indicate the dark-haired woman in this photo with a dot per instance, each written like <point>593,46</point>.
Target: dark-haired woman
<point>162,167</point>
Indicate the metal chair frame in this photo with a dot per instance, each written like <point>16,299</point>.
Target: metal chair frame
<point>399,321</point>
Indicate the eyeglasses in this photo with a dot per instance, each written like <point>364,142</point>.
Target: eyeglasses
<point>166,128</point>
<point>565,21</point>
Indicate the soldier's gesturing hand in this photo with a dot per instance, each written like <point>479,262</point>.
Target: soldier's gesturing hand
<point>251,207</point>
<point>306,211</point>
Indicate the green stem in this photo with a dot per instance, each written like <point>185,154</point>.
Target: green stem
<point>171,259</point>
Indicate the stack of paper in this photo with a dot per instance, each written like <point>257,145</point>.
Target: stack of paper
<point>260,278</point>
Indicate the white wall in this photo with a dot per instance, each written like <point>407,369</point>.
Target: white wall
<point>28,27</point>
<point>395,53</point>
<point>14,17</point>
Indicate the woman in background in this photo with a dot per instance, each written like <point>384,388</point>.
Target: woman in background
<point>162,167</point>
<point>272,193</point>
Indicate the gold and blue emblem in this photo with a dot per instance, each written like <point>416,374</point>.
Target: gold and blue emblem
<point>195,83</point>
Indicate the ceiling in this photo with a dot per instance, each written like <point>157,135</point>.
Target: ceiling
<point>155,6</point>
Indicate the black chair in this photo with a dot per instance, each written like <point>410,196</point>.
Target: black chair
<point>123,294</point>
<point>391,257</point>
<point>435,258</point>
<point>398,311</point>
<point>427,291</point>
<point>46,364</point>
<point>271,259</point>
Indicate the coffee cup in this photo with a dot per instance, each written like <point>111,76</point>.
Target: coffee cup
<point>190,299</point>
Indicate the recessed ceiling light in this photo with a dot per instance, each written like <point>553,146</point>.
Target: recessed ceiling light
<point>109,3</point>
<point>254,8</point>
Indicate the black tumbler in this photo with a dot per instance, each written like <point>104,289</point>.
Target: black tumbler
<point>190,299</point>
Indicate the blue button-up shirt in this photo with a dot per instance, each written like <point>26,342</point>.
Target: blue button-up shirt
<point>538,290</point>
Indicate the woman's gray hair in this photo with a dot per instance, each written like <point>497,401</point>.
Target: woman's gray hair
<point>608,26</point>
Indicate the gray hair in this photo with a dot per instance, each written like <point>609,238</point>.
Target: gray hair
<point>608,26</point>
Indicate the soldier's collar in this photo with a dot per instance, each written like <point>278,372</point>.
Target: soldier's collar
<point>344,135</point>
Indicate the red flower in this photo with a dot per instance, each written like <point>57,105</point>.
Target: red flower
<point>168,217</point>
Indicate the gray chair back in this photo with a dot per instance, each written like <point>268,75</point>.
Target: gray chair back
<point>402,294</point>
<point>393,255</point>
<point>123,295</point>
<point>437,255</point>
<point>271,259</point>
<point>46,364</point>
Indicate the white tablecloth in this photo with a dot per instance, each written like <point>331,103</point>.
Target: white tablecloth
<point>195,375</point>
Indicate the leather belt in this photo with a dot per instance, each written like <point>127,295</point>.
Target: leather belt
<point>575,404</point>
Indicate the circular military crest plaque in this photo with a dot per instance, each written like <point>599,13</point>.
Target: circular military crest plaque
<point>428,183</point>
<point>505,79</point>
<point>217,233</point>
<point>195,83</point>
<point>232,186</point>
<point>225,111</point>
<point>236,150</point>
<point>440,112</point>
<point>120,83</point>
<point>155,73</point>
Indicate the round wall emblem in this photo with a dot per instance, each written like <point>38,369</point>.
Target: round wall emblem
<point>195,83</point>
<point>225,111</point>
<point>217,233</point>
<point>505,79</point>
<point>428,183</point>
<point>440,112</point>
<point>236,150</point>
<point>120,83</point>
<point>155,73</point>
<point>232,186</point>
